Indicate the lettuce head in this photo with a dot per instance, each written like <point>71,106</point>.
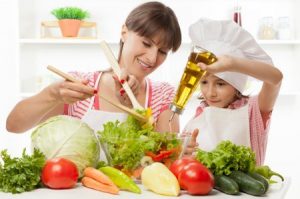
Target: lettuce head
<point>67,137</point>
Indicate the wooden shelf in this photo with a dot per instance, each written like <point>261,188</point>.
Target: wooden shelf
<point>97,41</point>
<point>279,42</point>
<point>266,42</point>
<point>64,41</point>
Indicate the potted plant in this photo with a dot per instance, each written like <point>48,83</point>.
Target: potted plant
<point>69,19</point>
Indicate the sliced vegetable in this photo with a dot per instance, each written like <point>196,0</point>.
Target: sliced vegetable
<point>160,156</point>
<point>148,114</point>
<point>127,143</point>
<point>120,179</point>
<point>146,161</point>
<point>94,184</point>
<point>136,174</point>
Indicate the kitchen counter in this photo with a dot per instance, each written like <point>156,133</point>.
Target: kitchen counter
<point>276,191</point>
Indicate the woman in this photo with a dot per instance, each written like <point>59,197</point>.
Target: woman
<point>150,31</point>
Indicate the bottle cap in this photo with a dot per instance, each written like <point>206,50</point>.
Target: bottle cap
<point>175,109</point>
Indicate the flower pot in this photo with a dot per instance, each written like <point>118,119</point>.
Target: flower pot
<point>69,27</point>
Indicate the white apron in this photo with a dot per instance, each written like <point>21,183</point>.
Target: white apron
<point>218,124</point>
<point>96,118</point>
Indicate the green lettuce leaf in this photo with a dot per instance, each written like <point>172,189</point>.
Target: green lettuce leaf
<point>127,142</point>
<point>227,157</point>
<point>22,174</point>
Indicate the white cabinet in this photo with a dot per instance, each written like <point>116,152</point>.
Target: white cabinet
<point>85,55</point>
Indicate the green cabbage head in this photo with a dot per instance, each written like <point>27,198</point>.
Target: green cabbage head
<point>67,137</point>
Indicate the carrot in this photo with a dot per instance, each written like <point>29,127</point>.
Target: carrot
<point>97,175</point>
<point>137,172</point>
<point>93,184</point>
<point>168,162</point>
<point>128,173</point>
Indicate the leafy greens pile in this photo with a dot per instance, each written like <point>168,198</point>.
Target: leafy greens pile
<point>22,174</point>
<point>227,157</point>
<point>127,142</point>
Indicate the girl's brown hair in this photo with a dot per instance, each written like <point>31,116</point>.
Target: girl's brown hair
<point>152,18</point>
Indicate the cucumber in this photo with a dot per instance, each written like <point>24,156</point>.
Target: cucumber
<point>227,185</point>
<point>260,178</point>
<point>248,184</point>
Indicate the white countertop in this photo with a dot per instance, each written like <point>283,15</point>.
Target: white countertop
<point>276,191</point>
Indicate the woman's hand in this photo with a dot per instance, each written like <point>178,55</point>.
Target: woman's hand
<point>223,64</point>
<point>192,145</point>
<point>120,92</point>
<point>69,92</point>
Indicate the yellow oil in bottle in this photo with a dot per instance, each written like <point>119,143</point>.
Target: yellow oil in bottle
<point>190,78</point>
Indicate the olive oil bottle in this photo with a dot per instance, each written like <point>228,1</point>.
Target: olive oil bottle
<point>190,78</point>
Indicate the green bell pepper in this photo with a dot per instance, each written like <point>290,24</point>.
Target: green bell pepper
<point>120,179</point>
<point>267,172</point>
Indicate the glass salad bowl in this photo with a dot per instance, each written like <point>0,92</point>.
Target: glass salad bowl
<point>132,154</point>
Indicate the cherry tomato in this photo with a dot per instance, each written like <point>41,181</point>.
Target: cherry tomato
<point>178,165</point>
<point>196,179</point>
<point>59,173</point>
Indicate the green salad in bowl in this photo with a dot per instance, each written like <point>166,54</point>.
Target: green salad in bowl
<point>130,147</point>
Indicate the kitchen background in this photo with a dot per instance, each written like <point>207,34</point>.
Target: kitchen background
<point>24,56</point>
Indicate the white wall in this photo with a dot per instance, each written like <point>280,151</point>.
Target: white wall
<point>8,78</point>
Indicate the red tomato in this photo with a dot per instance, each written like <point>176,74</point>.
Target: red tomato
<point>178,165</point>
<point>59,173</point>
<point>196,179</point>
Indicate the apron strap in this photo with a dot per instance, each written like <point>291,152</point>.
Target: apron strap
<point>148,94</point>
<point>94,103</point>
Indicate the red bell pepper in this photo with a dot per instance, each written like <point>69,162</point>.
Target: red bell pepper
<point>159,157</point>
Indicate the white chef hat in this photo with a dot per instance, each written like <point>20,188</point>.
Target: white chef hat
<point>227,37</point>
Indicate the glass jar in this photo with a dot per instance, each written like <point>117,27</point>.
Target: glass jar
<point>266,28</point>
<point>284,28</point>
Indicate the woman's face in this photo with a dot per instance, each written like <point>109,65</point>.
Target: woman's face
<point>141,55</point>
<point>217,92</point>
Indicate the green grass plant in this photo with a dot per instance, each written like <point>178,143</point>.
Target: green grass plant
<point>70,13</point>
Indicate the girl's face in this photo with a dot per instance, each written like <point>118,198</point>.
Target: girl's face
<point>217,92</point>
<point>141,55</point>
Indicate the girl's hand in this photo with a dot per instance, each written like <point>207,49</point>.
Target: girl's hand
<point>120,92</point>
<point>69,92</point>
<point>193,145</point>
<point>223,64</point>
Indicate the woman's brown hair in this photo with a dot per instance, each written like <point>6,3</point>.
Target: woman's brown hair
<point>152,18</point>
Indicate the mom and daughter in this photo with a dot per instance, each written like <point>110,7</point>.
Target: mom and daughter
<point>149,33</point>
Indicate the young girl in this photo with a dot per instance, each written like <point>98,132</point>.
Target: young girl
<point>150,31</point>
<point>225,113</point>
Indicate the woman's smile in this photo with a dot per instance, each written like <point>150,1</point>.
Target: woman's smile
<point>144,65</point>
